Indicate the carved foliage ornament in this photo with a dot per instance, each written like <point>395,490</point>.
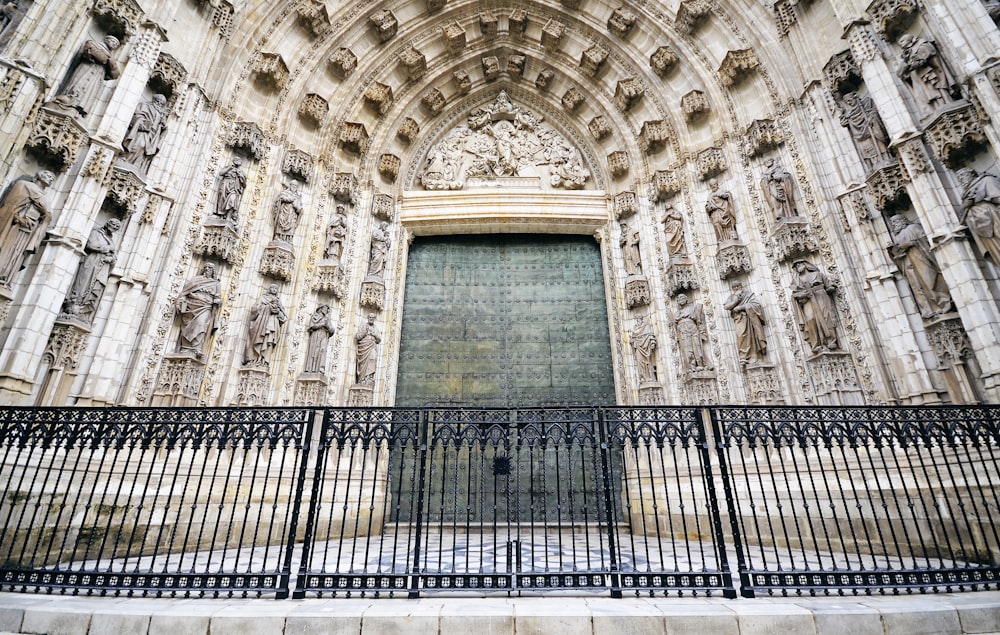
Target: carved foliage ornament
<point>118,17</point>
<point>599,127</point>
<point>58,137</point>
<point>628,93</point>
<point>517,22</point>
<point>488,24</point>
<point>168,75</point>
<point>626,205</point>
<point>434,101</point>
<point>414,62</point>
<point>618,163</point>
<point>892,17</point>
<point>271,71</point>
<point>544,78</point>
<point>248,136</point>
<point>737,66</point>
<point>694,104</point>
<point>379,97</point>
<point>408,130</point>
<point>593,58</point>
<point>666,183</point>
<point>454,35</point>
<point>298,164</point>
<point>344,185</point>
<point>463,83</point>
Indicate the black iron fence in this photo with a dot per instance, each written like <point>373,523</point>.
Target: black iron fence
<point>410,501</point>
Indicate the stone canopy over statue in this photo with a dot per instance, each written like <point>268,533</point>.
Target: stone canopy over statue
<point>503,140</point>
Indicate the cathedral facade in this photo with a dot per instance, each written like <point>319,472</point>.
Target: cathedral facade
<point>214,202</point>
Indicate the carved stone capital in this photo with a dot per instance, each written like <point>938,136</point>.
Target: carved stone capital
<point>66,344</point>
<point>711,162</point>
<point>388,167</point>
<point>271,71</point>
<point>378,97</point>
<point>330,278</point>
<point>626,204</point>
<point>373,294</point>
<point>636,291</point>
<point>120,18</point>
<point>433,101</point>
<point>552,33</point>
<point>384,207</point>
<point>691,14</point>
<point>408,130</point>
<point>314,110</point>
<point>354,137</point>
<point>618,163</point>
<point>955,134</point>
<point>892,17</point>
<point>248,136</point>
<point>491,67</point>
<point>887,187</point>
<point>678,277</point>
<point>763,135</point>
<point>593,58</point>
<point>125,189</point>
<point>168,76</point>
<point>488,24</point>
<point>599,127</point>
<point>733,260</point>
<point>278,261</point>
<point>413,62</point>
<point>621,21</point>
<point>57,137</point>
<point>454,36</point>
<point>737,66</point>
<point>792,239</point>
<point>219,241</point>
<point>666,183</point>
<point>841,73</point>
<point>384,25</point>
<point>344,187</point>
<point>544,78</point>
<point>342,62</point>
<point>694,104</point>
<point>663,60</point>
<point>572,99</point>
<point>298,164</point>
<point>313,17</point>
<point>654,135</point>
<point>628,93</point>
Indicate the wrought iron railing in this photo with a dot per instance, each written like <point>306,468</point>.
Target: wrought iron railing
<point>410,501</point>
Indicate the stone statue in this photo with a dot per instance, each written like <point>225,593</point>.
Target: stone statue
<point>748,314</point>
<point>721,212</point>
<point>813,293</point>
<point>320,330</point>
<point>24,217</point>
<point>232,182</point>
<point>266,319</point>
<point>912,254</point>
<point>778,186</point>
<point>286,211</point>
<point>379,251</point>
<point>629,243</point>
<point>8,17</point>
<point>92,276</point>
<point>336,233</point>
<point>643,342</point>
<point>673,231</point>
<point>981,209</point>
<point>921,67</point>
<point>861,119</point>
<point>197,305</point>
<point>993,8</point>
<point>692,335</point>
<point>95,64</point>
<point>145,133</point>
<point>367,340</point>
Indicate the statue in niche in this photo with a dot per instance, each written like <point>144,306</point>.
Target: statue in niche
<point>643,342</point>
<point>95,64</point>
<point>197,305</point>
<point>921,67</point>
<point>859,116</point>
<point>379,251</point>
<point>692,335</point>
<point>145,133</point>
<point>778,186</point>
<point>629,242</point>
<point>9,15</point>
<point>722,213</point>
<point>748,314</point>
<point>266,318</point>
<point>232,182</point>
<point>367,340</point>
<point>673,231</point>
<point>912,253</point>
<point>24,217</point>
<point>320,331</point>
<point>813,293</point>
<point>91,279</point>
<point>336,233</point>
<point>286,211</point>
<point>981,209</point>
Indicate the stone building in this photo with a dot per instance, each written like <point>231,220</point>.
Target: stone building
<point>234,202</point>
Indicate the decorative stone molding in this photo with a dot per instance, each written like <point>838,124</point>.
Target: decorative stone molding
<point>599,127</point>
<point>711,162</point>
<point>57,138</point>
<point>915,159</point>
<point>636,291</point>
<point>408,130</point>
<point>248,137</point>
<point>666,183</point>
<point>694,104</point>
<point>955,134</point>
<point>626,204</point>
<point>491,67</point>
<point>454,36</point>
<point>618,163</point>
<point>762,384</point>
<point>344,187</point>
<point>621,21</point>
<point>433,101</point>
<point>653,136</point>
<point>842,74</point>
<point>887,187</point>
<point>125,188</point>
<point>414,62</point>
<point>388,166</point>
<point>314,110</point>
<point>515,66</point>
<point>342,62</point>
<point>651,394</point>
<point>552,34</point>
<point>892,17</point>
<point>763,135</point>
<point>313,17</point>
<point>792,239</point>
<point>168,76</point>
<point>835,379</point>
<point>219,241</point>
<point>384,25</point>
<point>701,391</point>
<point>379,98</point>
<point>178,382</point>
<point>384,207</point>
<point>298,164</point>
<point>784,16</point>
<point>733,260</point>
<point>373,294</point>
<point>628,93</point>
<point>310,391</point>
<point>678,277</point>
<point>252,387</point>
<point>66,345</point>
<point>572,99</point>
<point>593,58</point>
<point>360,397</point>
<point>330,279</point>
<point>691,15</point>
<point>270,71</point>
<point>354,137</point>
<point>517,22</point>
<point>663,60</point>
<point>737,66</point>
<point>488,24</point>
<point>120,18</point>
<point>222,18</point>
<point>544,78</point>
<point>463,83</point>
<point>278,262</point>
<point>950,343</point>
<point>433,6</point>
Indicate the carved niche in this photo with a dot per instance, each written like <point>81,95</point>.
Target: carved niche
<point>313,17</point>
<point>737,66</point>
<point>384,25</point>
<point>168,76</point>
<point>454,36</point>
<point>271,71</point>
<point>892,17</point>
<point>297,164</point>
<point>502,140</point>
<point>463,83</point>
<point>314,110</point>
<point>552,34</point>
<point>711,162</point>
<point>955,134</point>
<point>691,14</point>
<point>841,73</point>
<point>628,93</point>
<point>593,58</point>
<point>621,21</point>
<point>342,62</point>
<point>414,62</point>
<point>663,60</point>
<point>248,137</point>
<point>694,104</point>
<point>57,138</point>
<point>379,98</point>
<point>653,135</point>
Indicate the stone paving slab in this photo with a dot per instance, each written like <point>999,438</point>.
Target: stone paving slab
<point>945,614</point>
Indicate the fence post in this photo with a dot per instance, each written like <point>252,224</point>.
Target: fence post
<point>713,501</point>
<point>316,461</point>
<point>609,509</point>
<point>421,488</point>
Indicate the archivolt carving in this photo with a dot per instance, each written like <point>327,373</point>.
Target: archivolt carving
<point>343,61</point>
<point>271,70</point>
<point>408,130</point>
<point>691,14</point>
<point>663,60</point>
<point>384,25</point>
<point>168,75</point>
<point>737,66</point>
<point>314,110</point>
<point>454,35</point>
<point>247,136</point>
<point>517,22</point>
<point>488,24</point>
<point>414,62</point>
<point>628,93</point>
<point>313,17</point>
<point>621,21</point>
<point>354,137</point>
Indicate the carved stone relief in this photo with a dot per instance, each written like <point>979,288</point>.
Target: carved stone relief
<point>544,78</point>
<point>621,21</point>
<point>517,22</point>
<point>319,331</point>
<point>515,66</point>
<point>887,186</point>
<point>599,127</point>
<point>384,25</point>
<point>980,210</point>
<point>733,259</point>
<point>737,66</point>
<point>812,290</point>
<point>892,17</point>
<point>692,339</point>
<point>342,62</point>
<point>666,183</point>
<point>454,36</point>
<point>384,207</point>
<point>196,307</point>
<point>791,238</point>
<point>99,256</point>
<point>314,110</point>
<point>779,189</point>
<point>264,328</point>
<point>747,313</point>
<point>642,339</point>
<point>663,60</point>
<point>388,166</point>
<point>552,34</point>
<point>859,116</point>
<point>834,379</point>
<point>654,135</point>
<point>178,382</point>
<point>488,24</point>
<point>625,205</point>
<point>168,75</point>
<point>922,68</point>
<point>694,104</point>
<point>408,130</point>
<point>491,67</point>
<point>66,345</point>
<point>118,17</point>
<point>125,188</point>
<point>271,71</point>
<point>691,15</point>
<point>912,253</point>
<point>618,163</point>
<point>313,17</point>
<point>842,74</point>
<point>572,99</point>
<point>24,217</point>
<point>366,341</point>
<point>344,187</point>
<point>95,64</point>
